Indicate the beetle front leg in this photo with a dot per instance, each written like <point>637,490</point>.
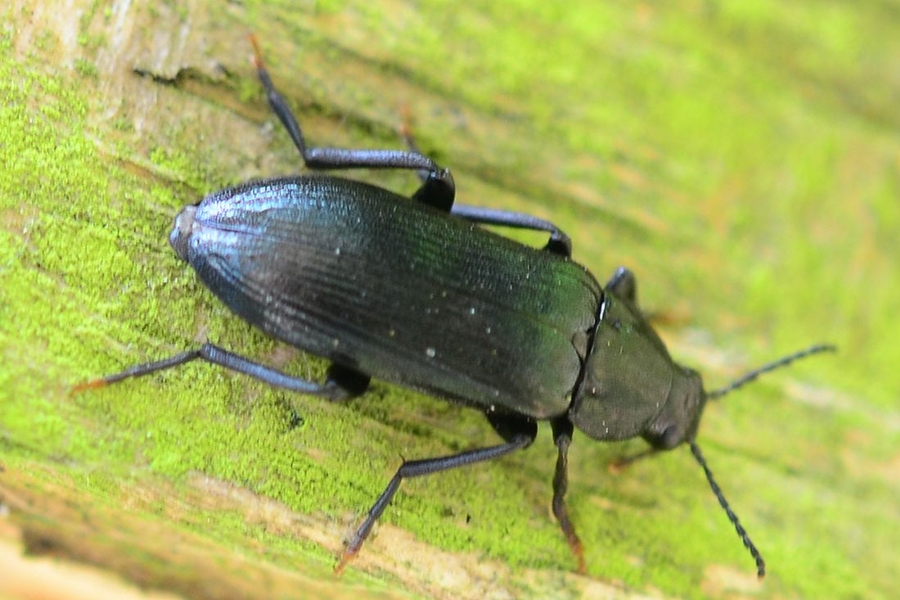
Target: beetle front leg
<point>562,437</point>
<point>341,383</point>
<point>622,463</point>
<point>518,432</point>
<point>623,284</point>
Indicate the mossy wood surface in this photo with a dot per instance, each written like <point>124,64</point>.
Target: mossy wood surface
<point>742,158</point>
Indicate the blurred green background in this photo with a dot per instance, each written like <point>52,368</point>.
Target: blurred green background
<point>742,158</point>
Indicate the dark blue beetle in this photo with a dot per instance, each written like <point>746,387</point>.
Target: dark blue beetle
<point>419,294</point>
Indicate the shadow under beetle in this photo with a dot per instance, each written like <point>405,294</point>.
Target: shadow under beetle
<point>418,294</point>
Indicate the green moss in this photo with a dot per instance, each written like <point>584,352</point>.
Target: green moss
<point>741,159</point>
<point>85,68</point>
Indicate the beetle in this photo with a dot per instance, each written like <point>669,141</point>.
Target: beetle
<point>414,291</point>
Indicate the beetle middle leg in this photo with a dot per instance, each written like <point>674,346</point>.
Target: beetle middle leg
<point>341,383</point>
<point>559,243</point>
<point>518,432</point>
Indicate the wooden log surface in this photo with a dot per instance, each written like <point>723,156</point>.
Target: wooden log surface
<point>742,159</point>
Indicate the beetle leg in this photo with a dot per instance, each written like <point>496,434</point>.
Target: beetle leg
<point>559,242</point>
<point>342,383</point>
<point>435,192</point>
<point>438,188</point>
<point>623,284</point>
<point>562,437</point>
<point>518,432</point>
<point>432,192</point>
<point>511,427</point>
<point>622,463</point>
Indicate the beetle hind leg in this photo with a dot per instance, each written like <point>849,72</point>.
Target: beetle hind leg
<point>438,188</point>
<point>341,383</point>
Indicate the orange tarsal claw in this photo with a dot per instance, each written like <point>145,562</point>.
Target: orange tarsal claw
<point>87,385</point>
<point>578,551</point>
<point>346,556</point>
<point>406,127</point>
<point>257,54</point>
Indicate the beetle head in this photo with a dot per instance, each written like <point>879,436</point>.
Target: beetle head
<point>679,416</point>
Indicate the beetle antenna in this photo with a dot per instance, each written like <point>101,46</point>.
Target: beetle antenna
<point>781,362</point>
<point>742,533</point>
